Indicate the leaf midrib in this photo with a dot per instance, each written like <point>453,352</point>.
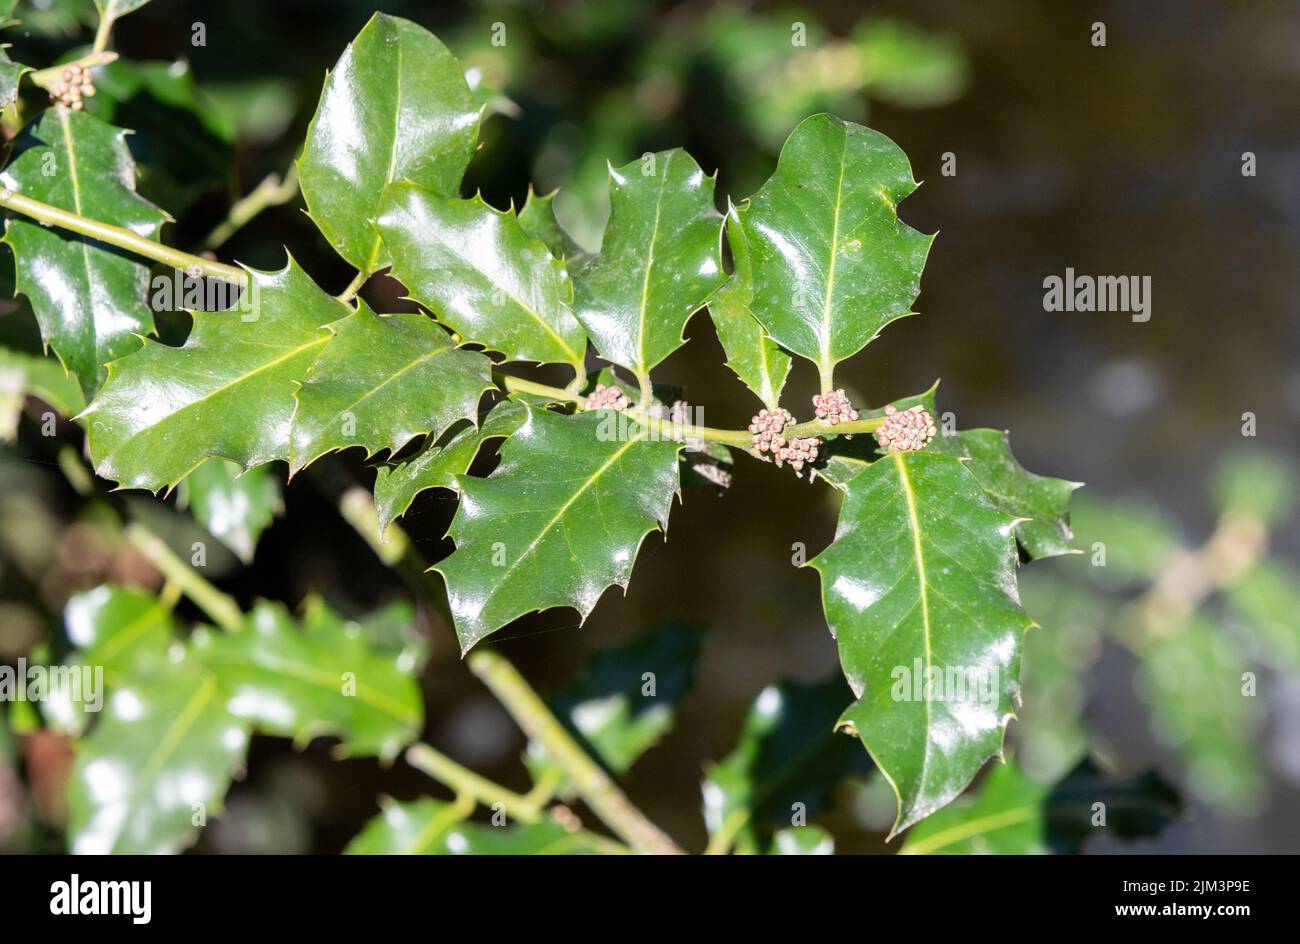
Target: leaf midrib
<point>909,496</point>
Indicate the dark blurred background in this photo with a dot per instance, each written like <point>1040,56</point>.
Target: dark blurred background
<point>1124,159</point>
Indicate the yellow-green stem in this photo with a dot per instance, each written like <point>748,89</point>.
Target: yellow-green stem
<point>588,778</point>
<point>272,191</point>
<point>220,608</point>
<point>122,238</point>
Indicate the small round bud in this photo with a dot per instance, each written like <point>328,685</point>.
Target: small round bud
<point>607,398</point>
<point>906,430</point>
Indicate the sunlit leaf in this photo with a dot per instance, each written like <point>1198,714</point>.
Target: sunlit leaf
<point>919,591</point>
<point>395,107</point>
<point>90,299</point>
<point>229,391</point>
<point>659,262</point>
<point>832,263</point>
<point>381,381</point>
<point>482,275</point>
<point>235,506</point>
<point>558,522</point>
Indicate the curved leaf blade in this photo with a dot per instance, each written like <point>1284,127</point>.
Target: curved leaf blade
<point>659,262</point>
<point>229,391</point>
<point>832,262</point>
<point>558,522</point>
<point>1043,503</point>
<point>396,107</point>
<point>165,742</point>
<point>324,680</point>
<point>90,299</point>
<point>752,356</point>
<point>233,505</point>
<point>438,464</point>
<point>482,275</point>
<point>921,580</point>
<point>381,381</point>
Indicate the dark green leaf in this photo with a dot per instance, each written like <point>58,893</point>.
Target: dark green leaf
<point>625,699</point>
<point>396,107</point>
<point>659,262</point>
<point>90,299</point>
<point>229,391</point>
<point>440,461</point>
<point>919,592</point>
<point>538,220</point>
<point>832,262</point>
<point>751,354</point>
<point>559,521</point>
<point>1043,502</point>
<point>1011,814</point>
<point>381,381</point>
<point>789,760</point>
<point>482,275</point>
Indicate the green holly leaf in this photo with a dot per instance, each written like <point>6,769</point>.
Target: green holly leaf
<point>919,588</point>
<point>90,299</point>
<point>396,107</point>
<point>538,220</point>
<point>431,827</point>
<point>559,521</point>
<point>440,461</point>
<point>1043,502</point>
<point>751,354</point>
<point>1012,814</point>
<point>235,506</point>
<point>789,753</point>
<point>320,680</point>
<point>118,631</point>
<point>11,74</point>
<point>165,742</point>
<point>659,262</point>
<point>382,381</point>
<point>482,275</point>
<point>229,391</point>
<point>832,262</point>
<point>23,375</point>
<point>626,698</point>
<point>802,840</point>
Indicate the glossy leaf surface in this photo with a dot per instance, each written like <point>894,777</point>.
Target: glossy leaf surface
<point>229,391</point>
<point>1043,502</point>
<point>751,354</point>
<point>396,107</point>
<point>832,262</point>
<point>482,275</point>
<point>381,381</point>
<point>557,523</point>
<point>440,461</point>
<point>90,299</point>
<point>919,591</point>
<point>659,262</point>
